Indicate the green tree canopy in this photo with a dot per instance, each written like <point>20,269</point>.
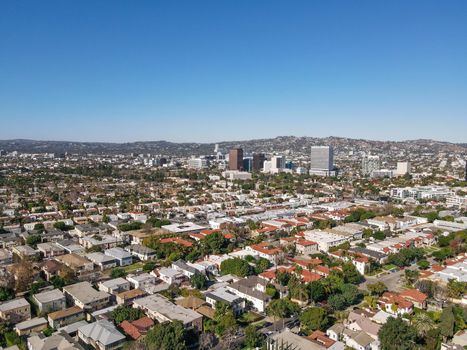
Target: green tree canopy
<point>396,334</point>
<point>314,318</point>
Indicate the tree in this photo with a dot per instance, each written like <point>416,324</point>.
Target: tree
<point>337,302</point>
<point>122,313</point>
<point>447,322</point>
<point>411,276</point>
<point>351,274</point>
<point>456,289</point>
<point>118,272</point>
<point>6,293</point>
<point>215,242</point>
<point>262,264</point>
<point>207,340</point>
<point>379,235</point>
<point>423,323</point>
<point>24,276</point>
<point>282,277</point>
<point>370,301</point>
<point>377,288</point>
<point>32,240</point>
<point>166,336</point>
<point>423,264</point>
<point>443,254</point>
<point>149,266</point>
<point>426,286</point>
<point>198,281</point>
<point>236,266</point>
<point>317,291</point>
<point>253,338</point>
<point>280,308</point>
<point>396,334</point>
<point>350,293</point>
<point>314,318</point>
<point>58,282</point>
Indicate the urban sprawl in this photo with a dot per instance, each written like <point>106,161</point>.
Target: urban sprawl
<point>327,247</point>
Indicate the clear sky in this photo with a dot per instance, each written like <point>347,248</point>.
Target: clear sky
<point>218,70</point>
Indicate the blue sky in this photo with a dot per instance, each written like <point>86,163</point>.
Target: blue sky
<point>232,70</point>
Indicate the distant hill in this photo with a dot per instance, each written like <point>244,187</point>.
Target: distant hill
<point>277,144</point>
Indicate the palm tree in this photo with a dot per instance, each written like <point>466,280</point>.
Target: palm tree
<point>423,323</point>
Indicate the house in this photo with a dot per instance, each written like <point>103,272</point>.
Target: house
<point>137,328</point>
<point>360,320</point>
<point>33,325</point>
<point>114,286</point>
<point>82,294</point>
<point>325,239</point>
<point>253,289</point>
<point>305,247</point>
<point>141,252</point>
<point>6,257</point>
<point>25,252</point>
<point>265,251</point>
<point>102,241</point>
<point>395,304</point>
<point>171,276</point>
<point>101,335</point>
<point>15,311</point>
<point>184,268</point>
<point>104,262</point>
<point>50,249</point>
<point>57,341</point>
<point>127,297</point>
<point>161,309</point>
<point>185,228</point>
<point>49,301</point>
<point>77,263</point>
<point>290,340</point>
<point>52,268</point>
<point>198,305</point>
<point>359,340</point>
<point>142,280</point>
<point>122,256</point>
<point>224,295</point>
<point>416,297</point>
<point>65,317</point>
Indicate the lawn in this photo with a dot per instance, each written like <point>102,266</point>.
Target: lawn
<point>133,267</point>
<point>389,267</point>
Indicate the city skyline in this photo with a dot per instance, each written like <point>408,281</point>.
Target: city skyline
<point>116,72</point>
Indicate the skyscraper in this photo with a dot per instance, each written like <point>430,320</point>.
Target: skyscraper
<point>321,160</point>
<point>369,164</point>
<point>258,161</point>
<point>236,159</point>
<point>403,168</point>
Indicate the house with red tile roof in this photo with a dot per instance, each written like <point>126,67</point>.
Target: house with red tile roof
<point>137,328</point>
<point>273,254</point>
<point>415,296</point>
<point>395,304</point>
<point>321,338</point>
<point>306,247</point>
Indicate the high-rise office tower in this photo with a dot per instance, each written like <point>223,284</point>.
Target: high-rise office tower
<point>321,160</point>
<point>258,161</point>
<point>236,159</point>
<point>370,164</point>
<point>247,163</point>
<point>403,168</point>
